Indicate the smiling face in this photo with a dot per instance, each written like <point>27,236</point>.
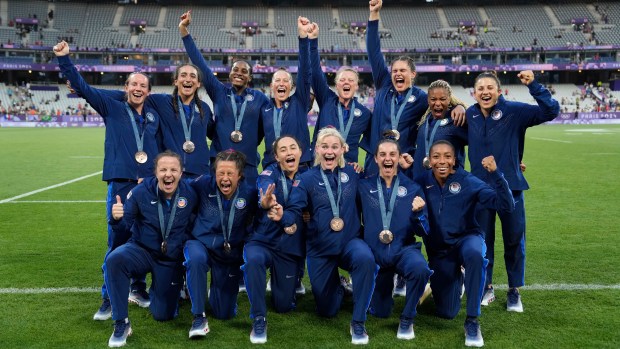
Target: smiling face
<point>287,154</point>
<point>387,159</point>
<point>187,82</point>
<point>442,161</point>
<point>240,75</point>
<point>438,102</point>
<point>168,172</point>
<point>227,177</point>
<point>281,86</point>
<point>346,84</point>
<point>486,93</point>
<point>329,151</point>
<point>402,76</point>
<point>137,89</point>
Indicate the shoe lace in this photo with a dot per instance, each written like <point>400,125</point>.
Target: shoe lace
<point>105,304</point>
<point>513,296</point>
<point>119,328</point>
<point>472,328</point>
<point>358,328</point>
<point>198,321</point>
<point>405,323</point>
<point>259,325</point>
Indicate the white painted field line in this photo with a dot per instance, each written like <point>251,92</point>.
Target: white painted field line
<point>50,187</point>
<point>550,140</point>
<point>533,287</point>
<point>56,201</point>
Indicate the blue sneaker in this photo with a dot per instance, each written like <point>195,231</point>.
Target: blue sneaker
<point>514,301</point>
<point>400,286</point>
<point>105,310</point>
<point>259,331</point>
<point>358,333</point>
<point>200,326</point>
<point>405,329</point>
<point>122,330</point>
<point>140,297</point>
<point>473,336</point>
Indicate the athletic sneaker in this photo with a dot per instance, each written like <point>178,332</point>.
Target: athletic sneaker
<point>358,333</point>
<point>348,288</point>
<point>242,285</point>
<point>400,286</point>
<point>268,288</point>
<point>122,330</point>
<point>140,297</point>
<point>105,310</point>
<point>514,301</point>
<point>300,289</point>
<point>259,330</point>
<point>405,329</point>
<point>488,296</point>
<point>473,336</point>
<point>200,326</point>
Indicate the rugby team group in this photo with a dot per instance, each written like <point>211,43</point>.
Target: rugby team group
<point>178,208</point>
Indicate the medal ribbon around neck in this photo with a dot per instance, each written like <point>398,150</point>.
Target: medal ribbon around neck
<point>335,205</point>
<point>160,212</point>
<point>429,141</point>
<point>345,130</point>
<point>284,186</point>
<point>132,121</point>
<point>231,215</point>
<point>187,130</point>
<point>395,118</point>
<point>277,119</point>
<point>386,215</point>
<point>238,118</point>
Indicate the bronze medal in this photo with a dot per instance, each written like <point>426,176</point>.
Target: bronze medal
<point>164,247</point>
<point>426,163</point>
<point>189,147</point>
<point>396,134</point>
<point>386,236</point>
<point>141,157</point>
<point>291,229</point>
<point>336,224</point>
<point>236,136</point>
<point>227,247</point>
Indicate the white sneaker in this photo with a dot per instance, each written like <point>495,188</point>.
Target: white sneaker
<point>488,296</point>
<point>514,301</point>
<point>122,330</point>
<point>105,311</point>
<point>200,326</point>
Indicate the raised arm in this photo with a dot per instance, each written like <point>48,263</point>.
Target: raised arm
<point>547,109</point>
<point>304,76</point>
<point>380,72</point>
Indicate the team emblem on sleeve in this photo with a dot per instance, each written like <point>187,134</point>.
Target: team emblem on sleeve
<point>357,112</point>
<point>266,173</point>
<point>454,187</point>
<point>496,115</point>
<point>240,203</point>
<point>344,177</point>
<point>182,202</point>
<point>411,99</point>
<point>402,191</point>
<point>150,117</point>
<point>249,98</point>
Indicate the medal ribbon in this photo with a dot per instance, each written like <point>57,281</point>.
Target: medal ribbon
<point>231,214</point>
<point>386,215</point>
<point>238,118</point>
<point>162,221</point>
<point>132,121</point>
<point>277,120</point>
<point>284,186</point>
<point>429,141</point>
<point>345,130</point>
<point>333,203</point>
<point>187,130</point>
<point>395,118</point>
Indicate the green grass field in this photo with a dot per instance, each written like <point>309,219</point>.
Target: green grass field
<point>53,240</point>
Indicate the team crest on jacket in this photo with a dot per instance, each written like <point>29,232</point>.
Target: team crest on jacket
<point>496,115</point>
<point>240,203</point>
<point>402,191</point>
<point>443,122</point>
<point>249,97</point>
<point>150,117</point>
<point>357,112</point>
<point>344,177</point>
<point>182,202</point>
<point>411,99</point>
<point>296,183</point>
<point>454,187</point>
<point>285,105</point>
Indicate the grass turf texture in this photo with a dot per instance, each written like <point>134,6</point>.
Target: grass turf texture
<point>572,239</point>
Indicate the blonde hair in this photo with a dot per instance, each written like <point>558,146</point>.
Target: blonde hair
<point>346,69</point>
<point>326,132</point>
<point>453,100</point>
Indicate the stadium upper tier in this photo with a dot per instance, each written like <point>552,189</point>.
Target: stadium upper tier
<point>96,25</point>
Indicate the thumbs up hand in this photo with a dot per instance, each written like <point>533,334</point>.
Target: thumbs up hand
<point>117,209</point>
